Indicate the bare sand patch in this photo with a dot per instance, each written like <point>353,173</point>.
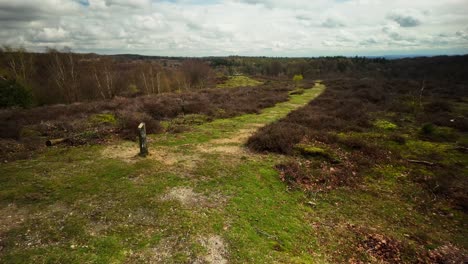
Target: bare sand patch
<point>186,196</point>
<point>10,217</point>
<point>161,253</point>
<point>227,149</point>
<point>240,137</point>
<point>216,249</point>
<point>128,152</point>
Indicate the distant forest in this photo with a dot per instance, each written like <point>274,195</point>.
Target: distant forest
<point>63,76</point>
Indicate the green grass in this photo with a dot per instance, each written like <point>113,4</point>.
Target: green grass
<point>77,205</point>
<point>239,81</point>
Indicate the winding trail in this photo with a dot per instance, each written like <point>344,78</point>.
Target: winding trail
<point>199,197</point>
<point>222,136</point>
<point>207,159</point>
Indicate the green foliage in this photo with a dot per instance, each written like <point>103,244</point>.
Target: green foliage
<point>14,94</point>
<point>298,78</point>
<point>384,124</point>
<point>133,89</point>
<point>103,119</point>
<point>312,151</point>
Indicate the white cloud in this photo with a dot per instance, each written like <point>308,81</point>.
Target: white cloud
<point>244,27</point>
<point>407,18</point>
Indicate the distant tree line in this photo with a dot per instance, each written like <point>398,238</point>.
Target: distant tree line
<point>451,67</point>
<point>62,76</point>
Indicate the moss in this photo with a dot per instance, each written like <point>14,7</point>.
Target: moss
<point>312,151</point>
<point>384,124</point>
<point>103,119</point>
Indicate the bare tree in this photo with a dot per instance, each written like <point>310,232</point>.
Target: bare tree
<point>63,68</point>
<point>104,75</point>
<point>20,64</point>
<point>196,73</point>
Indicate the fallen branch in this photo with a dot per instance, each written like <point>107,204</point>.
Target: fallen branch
<point>421,162</point>
<point>53,142</point>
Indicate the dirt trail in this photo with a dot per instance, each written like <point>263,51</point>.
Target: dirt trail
<point>231,143</point>
<point>184,153</point>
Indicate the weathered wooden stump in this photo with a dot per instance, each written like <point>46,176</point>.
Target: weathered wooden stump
<point>143,142</point>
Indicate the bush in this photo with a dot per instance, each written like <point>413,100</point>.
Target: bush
<point>297,79</point>
<point>129,121</point>
<point>279,137</point>
<point>14,94</point>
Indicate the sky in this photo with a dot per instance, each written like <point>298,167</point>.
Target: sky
<point>279,28</point>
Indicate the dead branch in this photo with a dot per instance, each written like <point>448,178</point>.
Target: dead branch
<point>427,163</point>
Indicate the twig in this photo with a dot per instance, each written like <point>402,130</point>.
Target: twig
<point>421,162</point>
<point>421,92</point>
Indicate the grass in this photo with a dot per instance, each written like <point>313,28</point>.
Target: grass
<point>88,205</point>
<point>239,81</point>
<point>76,205</point>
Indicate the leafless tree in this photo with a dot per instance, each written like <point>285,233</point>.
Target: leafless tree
<point>63,67</point>
<point>196,73</point>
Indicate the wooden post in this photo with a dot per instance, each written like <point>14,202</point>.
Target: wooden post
<point>142,137</point>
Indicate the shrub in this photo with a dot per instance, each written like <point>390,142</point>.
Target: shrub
<point>129,121</point>
<point>14,94</point>
<point>279,137</point>
<point>297,79</point>
<point>427,129</point>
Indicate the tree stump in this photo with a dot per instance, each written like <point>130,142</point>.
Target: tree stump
<point>142,139</point>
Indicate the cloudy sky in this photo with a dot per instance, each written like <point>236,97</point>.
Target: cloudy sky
<point>238,27</point>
